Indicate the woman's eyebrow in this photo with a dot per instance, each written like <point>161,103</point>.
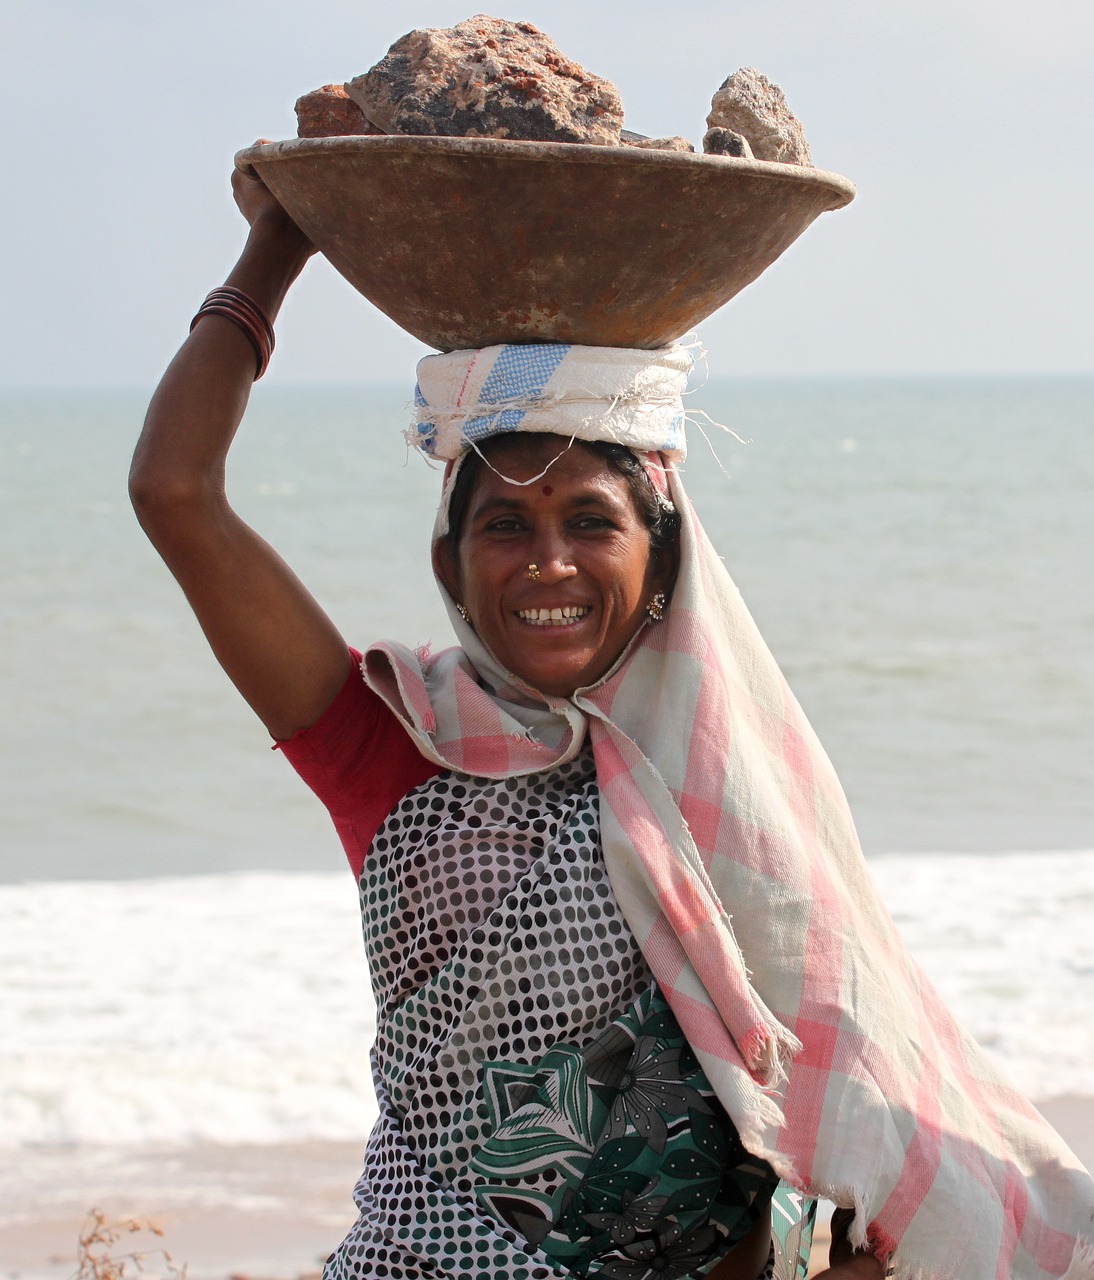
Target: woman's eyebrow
<point>607,499</point>
<point>499,503</point>
<point>519,502</point>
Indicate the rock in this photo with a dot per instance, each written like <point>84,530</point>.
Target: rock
<point>654,144</point>
<point>724,142</point>
<point>330,113</point>
<point>749,104</point>
<point>487,78</point>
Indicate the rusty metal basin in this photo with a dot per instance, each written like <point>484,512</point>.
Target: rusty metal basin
<point>466,242</point>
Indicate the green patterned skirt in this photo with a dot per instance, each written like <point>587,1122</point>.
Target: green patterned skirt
<point>656,1181</point>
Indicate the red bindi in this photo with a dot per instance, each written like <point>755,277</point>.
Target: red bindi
<point>547,490</point>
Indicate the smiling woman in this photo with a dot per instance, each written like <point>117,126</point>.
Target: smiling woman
<point>637,1000</point>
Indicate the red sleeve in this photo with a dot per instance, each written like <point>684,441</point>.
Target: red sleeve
<point>359,760</point>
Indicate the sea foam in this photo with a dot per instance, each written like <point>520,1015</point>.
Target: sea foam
<point>235,1008</point>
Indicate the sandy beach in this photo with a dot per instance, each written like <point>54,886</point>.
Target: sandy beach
<point>271,1211</point>
<point>275,1213</point>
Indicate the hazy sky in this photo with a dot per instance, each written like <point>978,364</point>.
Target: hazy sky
<point>965,123</point>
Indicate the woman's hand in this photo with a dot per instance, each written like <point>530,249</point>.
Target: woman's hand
<point>845,1261</point>
<point>859,1266</point>
<point>251,194</point>
<point>262,210</point>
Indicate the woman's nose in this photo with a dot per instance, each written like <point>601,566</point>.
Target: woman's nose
<point>554,558</point>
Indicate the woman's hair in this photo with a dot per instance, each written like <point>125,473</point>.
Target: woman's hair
<point>661,520</point>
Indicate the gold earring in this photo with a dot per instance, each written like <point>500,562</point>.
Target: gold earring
<point>462,611</point>
<point>656,607</point>
<point>533,573</point>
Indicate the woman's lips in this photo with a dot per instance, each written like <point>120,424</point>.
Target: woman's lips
<point>562,615</point>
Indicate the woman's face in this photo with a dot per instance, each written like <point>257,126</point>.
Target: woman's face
<point>579,525</point>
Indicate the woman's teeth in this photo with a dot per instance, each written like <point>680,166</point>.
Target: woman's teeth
<point>545,617</point>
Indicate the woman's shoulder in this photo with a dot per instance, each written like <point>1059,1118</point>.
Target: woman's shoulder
<point>357,755</point>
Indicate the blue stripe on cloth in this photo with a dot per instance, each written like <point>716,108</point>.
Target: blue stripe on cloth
<point>495,425</point>
<point>520,371</point>
<point>425,429</point>
<point>675,438</point>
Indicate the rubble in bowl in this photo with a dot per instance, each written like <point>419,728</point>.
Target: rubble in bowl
<point>491,78</point>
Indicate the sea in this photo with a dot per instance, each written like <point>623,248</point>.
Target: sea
<point>180,958</point>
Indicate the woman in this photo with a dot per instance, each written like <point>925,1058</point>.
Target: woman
<point>582,1067</point>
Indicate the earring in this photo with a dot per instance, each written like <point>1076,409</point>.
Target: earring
<point>656,607</point>
<point>533,573</point>
<point>462,611</point>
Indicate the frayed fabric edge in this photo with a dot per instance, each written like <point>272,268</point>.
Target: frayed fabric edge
<point>446,440</point>
<point>1082,1262</point>
<point>865,1236</point>
<point>768,1050</point>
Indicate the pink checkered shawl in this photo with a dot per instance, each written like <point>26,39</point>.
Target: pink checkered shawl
<point>734,857</point>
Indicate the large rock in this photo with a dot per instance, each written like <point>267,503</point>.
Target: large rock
<point>749,104</point>
<point>330,113</point>
<point>487,78</point>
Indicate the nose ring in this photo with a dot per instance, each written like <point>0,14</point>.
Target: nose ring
<point>533,572</point>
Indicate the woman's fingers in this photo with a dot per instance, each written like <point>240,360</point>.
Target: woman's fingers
<point>257,203</point>
<point>251,194</point>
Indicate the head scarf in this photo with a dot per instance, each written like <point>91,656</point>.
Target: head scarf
<point>733,855</point>
<point>634,398</point>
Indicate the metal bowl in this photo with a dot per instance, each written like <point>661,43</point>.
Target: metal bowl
<point>466,242</point>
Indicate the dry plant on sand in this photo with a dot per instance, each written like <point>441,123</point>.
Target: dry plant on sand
<point>97,1258</point>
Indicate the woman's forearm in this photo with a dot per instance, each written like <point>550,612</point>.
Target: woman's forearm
<point>201,399</point>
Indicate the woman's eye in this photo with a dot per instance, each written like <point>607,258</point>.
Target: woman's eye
<point>592,522</point>
<point>507,524</point>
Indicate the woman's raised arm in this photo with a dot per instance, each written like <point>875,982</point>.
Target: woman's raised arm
<point>277,645</point>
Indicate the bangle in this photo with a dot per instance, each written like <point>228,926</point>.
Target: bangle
<point>233,304</point>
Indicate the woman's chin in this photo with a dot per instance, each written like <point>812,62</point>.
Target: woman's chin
<point>560,679</point>
<point>551,687</point>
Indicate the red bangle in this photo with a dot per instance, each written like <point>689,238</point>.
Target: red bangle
<point>233,304</point>
<point>228,293</point>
